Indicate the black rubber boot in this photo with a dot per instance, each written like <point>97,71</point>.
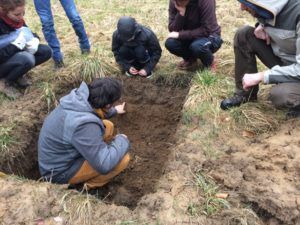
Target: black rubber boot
<point>236,101</point>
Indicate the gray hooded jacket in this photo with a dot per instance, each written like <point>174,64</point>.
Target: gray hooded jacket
<point>73,133</point>
<point>284,31</point>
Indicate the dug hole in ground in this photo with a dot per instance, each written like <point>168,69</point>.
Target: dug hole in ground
<point>261,175</point>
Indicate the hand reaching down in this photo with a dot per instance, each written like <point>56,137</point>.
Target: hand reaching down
<point>120,108</point>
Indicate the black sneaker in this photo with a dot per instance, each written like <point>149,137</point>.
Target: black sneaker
<point>128,74</point>
<point>85,51</point>
<point>235,101</point>
<point>149,75</point>
<point>59,64</point>
<point>293,112</point>
<point>9,90</point>
<point>23,82</point>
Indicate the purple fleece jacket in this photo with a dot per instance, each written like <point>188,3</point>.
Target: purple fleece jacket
<point>199,20</point>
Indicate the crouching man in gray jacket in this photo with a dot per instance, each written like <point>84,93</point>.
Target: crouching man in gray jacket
<point>76,143</point>
<point>276,42</point>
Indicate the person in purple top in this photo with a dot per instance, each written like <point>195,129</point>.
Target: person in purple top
<point>194,32</point>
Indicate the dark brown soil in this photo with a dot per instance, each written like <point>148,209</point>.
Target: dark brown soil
<point>153,112</point>
<point>150,123</point>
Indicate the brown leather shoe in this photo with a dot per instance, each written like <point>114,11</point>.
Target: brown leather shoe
<point>186,64</point>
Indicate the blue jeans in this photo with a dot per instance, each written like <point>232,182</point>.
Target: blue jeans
<point>202,48</point>
<point>43,8</point>
<point>20,63</point>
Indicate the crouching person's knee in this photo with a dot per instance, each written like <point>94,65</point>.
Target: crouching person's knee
<point>242,35</point>
<point>285,95</point>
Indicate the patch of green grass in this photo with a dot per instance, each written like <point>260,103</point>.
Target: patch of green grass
<point>48,94</point>
<point>194,209</point>
<point>205,78</point>
<point>212,204</point>
<point>6,139</point>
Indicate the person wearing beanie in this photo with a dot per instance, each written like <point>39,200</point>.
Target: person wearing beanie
<point>77,144</point>
<point>194,32</point>
<point>135,48</point>
<point>275,40</point>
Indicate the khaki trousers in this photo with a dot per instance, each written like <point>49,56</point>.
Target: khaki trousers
<point>92,179</point>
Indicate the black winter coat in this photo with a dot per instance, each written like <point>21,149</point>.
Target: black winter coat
<point>145,37</point>
<point>9,50</point>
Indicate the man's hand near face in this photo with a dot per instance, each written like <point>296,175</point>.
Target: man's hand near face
<point>180,7</point>
<point>260,33</point>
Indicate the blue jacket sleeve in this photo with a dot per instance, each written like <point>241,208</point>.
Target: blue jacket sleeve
<point>103,157</point>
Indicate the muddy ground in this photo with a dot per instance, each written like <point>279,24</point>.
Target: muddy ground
<point>260,173</point>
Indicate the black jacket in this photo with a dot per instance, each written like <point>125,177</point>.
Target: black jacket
<point>9,50</point>
<point>145,37</point>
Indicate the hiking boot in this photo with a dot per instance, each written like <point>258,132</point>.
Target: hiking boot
<point>23,82</point>
<point>9,90</point>
<point>58,64</point>
<point>293,112</point>
<point>186,64</point>
<point>235,101</point>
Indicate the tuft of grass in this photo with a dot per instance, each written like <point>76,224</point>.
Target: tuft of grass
<point>78,208</point>
<point>6,139</point>
<point>48,95</point>
<point>205,78</point>
<point>253,117</point>
<point>194,209</point>
<point>209,189</point>
<point>91,68</point>
<point>244,217</point>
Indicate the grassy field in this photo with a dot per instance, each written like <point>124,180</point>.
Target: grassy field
<point>203,122</point>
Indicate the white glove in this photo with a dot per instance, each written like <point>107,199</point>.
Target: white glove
<point>27,33</point>
<point>20,41</point>
<point>32,45</point>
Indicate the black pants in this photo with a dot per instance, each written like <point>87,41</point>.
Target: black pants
<point>201,48</point>
<point>20,63</point>
<point>246,48</point>
<point>136,56</point>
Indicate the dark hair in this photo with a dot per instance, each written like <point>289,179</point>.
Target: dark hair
<point>9,5</point>
<point>104,91</point>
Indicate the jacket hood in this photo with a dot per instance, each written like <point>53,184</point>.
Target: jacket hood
<point>272,6</point>
<point>77,100</point>
<point>127,28</point>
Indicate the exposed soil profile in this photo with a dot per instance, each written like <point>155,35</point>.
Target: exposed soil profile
<point>153,112</point>
<point>150,123</point>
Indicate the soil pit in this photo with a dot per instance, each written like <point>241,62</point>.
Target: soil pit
<point>150,123</point>
<point>153,112</point>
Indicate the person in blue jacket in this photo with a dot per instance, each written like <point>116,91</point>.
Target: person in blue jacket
<point>77,144</point>
<point>20,49</point>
